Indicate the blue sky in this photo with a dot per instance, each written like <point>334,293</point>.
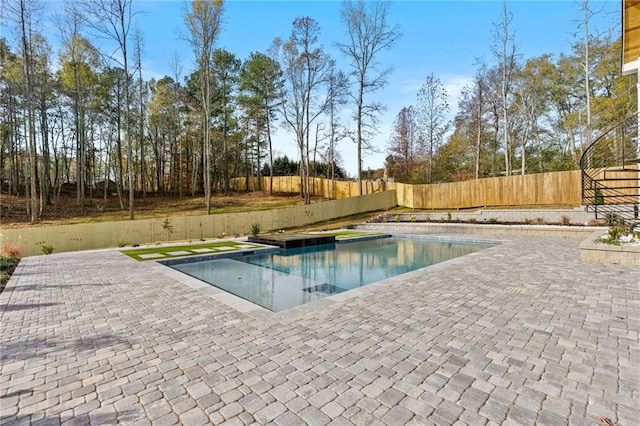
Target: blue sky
<point>445,38</point>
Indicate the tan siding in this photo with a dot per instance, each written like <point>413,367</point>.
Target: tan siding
<point>631,31</point>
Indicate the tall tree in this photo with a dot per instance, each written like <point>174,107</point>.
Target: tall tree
<point>261,81</point>
<point>226,71</point>
<point>337,85</point>
<point>79,61</point>
<point>403,146</point>
<point>532,85</point>
<point>504,50</point>
<point>432,111</point>
<point>203,22</point>
<point>24,14</point>
<point>139,47</point>
<point>369,33</point>
<point>306,67</point>
<point>112,19</point>
<point>11,76</point>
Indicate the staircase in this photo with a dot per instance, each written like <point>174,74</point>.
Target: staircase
<point>611,175</point>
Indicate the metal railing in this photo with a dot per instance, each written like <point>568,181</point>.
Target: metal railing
<point>611,174</point>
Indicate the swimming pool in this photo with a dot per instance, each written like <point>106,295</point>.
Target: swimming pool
<point>288,278</point>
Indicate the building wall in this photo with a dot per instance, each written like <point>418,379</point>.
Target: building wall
<point>630,35</point>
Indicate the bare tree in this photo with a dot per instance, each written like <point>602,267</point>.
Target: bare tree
<point>78,59</point>
<point>368,33</point>
<point>337,84</point>
<point>432,112</point>
<point>403,145</point>
<point>112,19</point>
<point>504,50</point>
<point>306,69</point>
<point>203,22</point>
<point>139,47</point>
<point>24,13</point>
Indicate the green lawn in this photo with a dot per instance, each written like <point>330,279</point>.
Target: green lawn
<point>169,252</point>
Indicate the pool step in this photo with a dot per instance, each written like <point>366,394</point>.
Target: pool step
<point>289,241</point>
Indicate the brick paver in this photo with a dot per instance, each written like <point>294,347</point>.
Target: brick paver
<point>522,333</point>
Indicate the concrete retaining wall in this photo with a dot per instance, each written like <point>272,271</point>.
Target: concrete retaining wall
<point>90,236</point>
<point>480,229</point>
<point>574,216</point>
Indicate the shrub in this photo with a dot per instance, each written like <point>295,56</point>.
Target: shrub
<point>396,218</point>
<point>412,219</point>
<point>46,249</point>
<point>12,250</point>
<point>7,266</point>
<point>492,220</point>
<point>255,229</point>
<point>540,221</point>
<point>565,220</point>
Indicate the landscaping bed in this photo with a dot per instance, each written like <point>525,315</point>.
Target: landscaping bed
<point>8,264</point>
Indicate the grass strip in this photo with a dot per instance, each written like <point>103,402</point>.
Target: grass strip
<point>138,254</point>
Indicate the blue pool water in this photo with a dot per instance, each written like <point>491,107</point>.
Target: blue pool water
<point>279,281</point>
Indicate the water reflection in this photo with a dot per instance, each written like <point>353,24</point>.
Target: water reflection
<point>294,277</point>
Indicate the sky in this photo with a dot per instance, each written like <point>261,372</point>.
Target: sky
<point>445,38</point>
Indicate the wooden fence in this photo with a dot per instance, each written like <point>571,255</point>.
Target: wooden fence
<point>543,189</point>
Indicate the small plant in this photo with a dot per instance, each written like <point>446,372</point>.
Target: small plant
<point>528,221</point>
<point>566,220</point>
<point>613,219</point>
<point>412,219</point>
<point>612,237</point>
<point>168,227</point>
<point>350,226</point>
<point>492,220</point>
<point>472,220</point>
<point>442,219</point>
<point>448,216</point>
<point>46,249</point>
<point>221,236</point>
<point>540,221</point>
<point>255,229</point>
<point>396,218</point>
<point>598,197</point>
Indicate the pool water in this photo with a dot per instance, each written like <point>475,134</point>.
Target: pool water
<point>280,281</point>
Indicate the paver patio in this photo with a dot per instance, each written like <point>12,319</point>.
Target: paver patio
<point>522,333</point>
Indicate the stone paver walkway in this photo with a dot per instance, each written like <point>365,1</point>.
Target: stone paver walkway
<point>521,333</point>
